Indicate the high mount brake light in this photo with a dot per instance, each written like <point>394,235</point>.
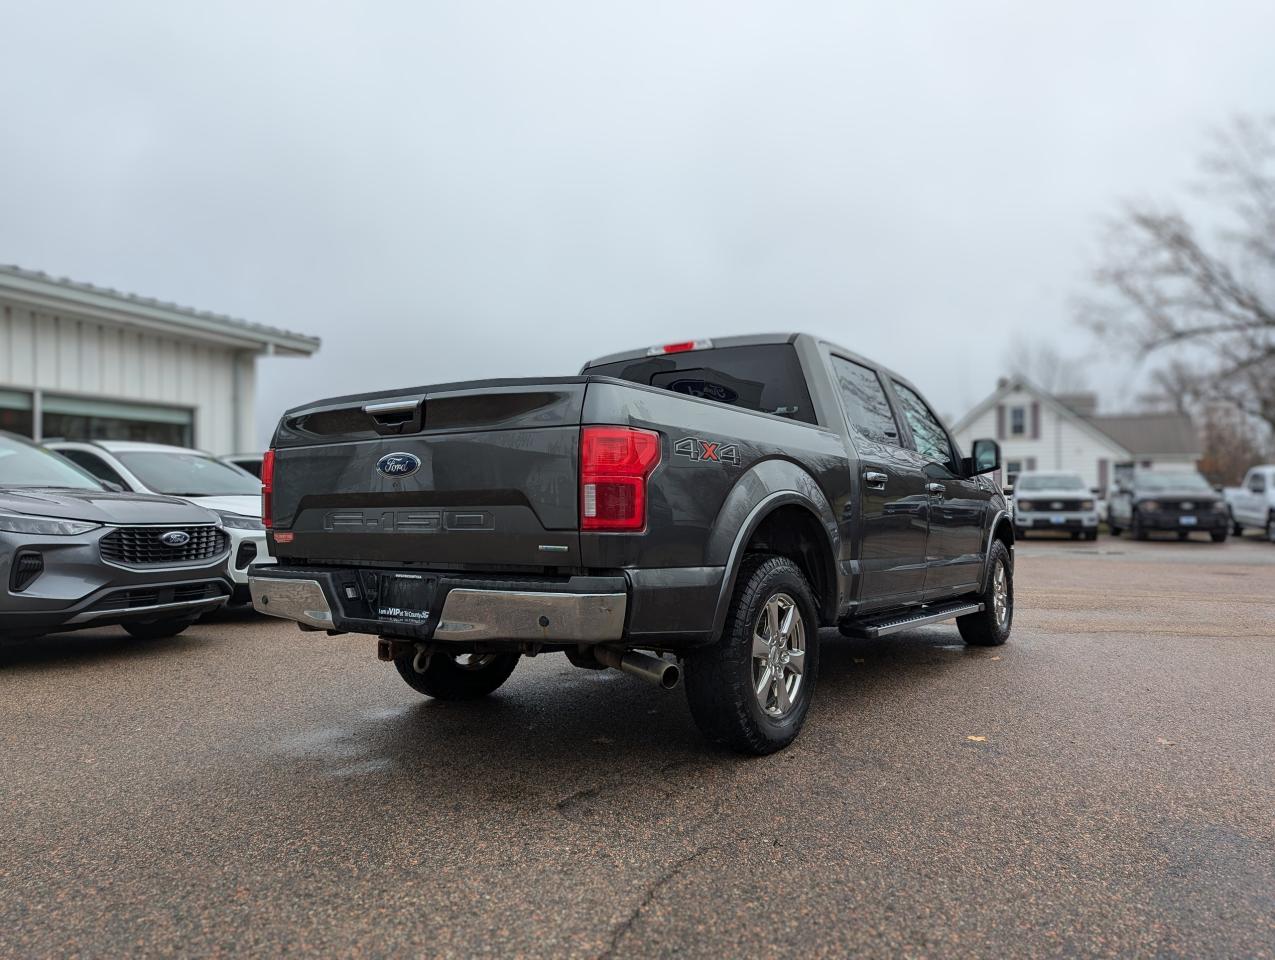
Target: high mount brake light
<point>267,489</point>
<point>615,463</point>
<point>682,347</point>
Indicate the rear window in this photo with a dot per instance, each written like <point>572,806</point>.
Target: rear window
<point>766,378</point>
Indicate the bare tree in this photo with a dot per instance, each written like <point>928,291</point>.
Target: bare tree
<point>1203,298</point>
<point>1039,362</point>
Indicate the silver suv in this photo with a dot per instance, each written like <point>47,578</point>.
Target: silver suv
<point>74,554</point>
<point>1054,500</point>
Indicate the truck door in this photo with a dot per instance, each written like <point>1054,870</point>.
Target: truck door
<point>893,505</point>
<point>1252,499</point>
<point>958,506</point>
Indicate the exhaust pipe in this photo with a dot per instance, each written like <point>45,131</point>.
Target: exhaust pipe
<point>662,673</point>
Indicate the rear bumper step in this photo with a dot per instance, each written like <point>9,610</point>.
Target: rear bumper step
<point>923,615</point>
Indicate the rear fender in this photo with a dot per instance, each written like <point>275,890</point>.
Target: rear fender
<point>765,488</point>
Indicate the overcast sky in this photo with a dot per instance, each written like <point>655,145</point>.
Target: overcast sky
<point>456,190</point>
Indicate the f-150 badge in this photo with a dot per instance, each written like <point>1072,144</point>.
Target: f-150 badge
<point>714,451</point>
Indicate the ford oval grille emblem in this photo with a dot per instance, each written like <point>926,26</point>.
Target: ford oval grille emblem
<point>398,465</point>
<point>174,538</point>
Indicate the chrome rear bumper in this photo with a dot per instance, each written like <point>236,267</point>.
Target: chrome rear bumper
<point>468,615</point>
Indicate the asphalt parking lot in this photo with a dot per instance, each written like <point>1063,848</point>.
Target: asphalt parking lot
<point>1103,785</point>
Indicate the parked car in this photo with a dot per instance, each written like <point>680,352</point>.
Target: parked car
<point>713,502</point>
<point>251,462</point>
<point>1181,501</point>
<point>74,554</point>
<point>1253,503</point>
<point>1054,501</point>
<point>233,494</point>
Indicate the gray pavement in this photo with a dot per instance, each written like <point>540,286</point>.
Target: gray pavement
<point>1103,785</point>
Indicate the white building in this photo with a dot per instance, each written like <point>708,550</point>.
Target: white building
<point>1038,431</point>
<point>81,362</point>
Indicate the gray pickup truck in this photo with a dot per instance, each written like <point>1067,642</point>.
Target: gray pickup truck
<point>703,507</point>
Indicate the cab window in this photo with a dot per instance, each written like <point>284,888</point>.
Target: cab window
<point>863,396</point>
<point>931,439</point>
<point>1257,482</point>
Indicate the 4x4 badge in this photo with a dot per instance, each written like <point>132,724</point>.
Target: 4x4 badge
<point>714,451</point>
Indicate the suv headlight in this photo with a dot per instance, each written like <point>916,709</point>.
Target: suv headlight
<point>1025,505</point>
<point>1221,506</point>
<point>1149,505</point>
<point>44,526</point>
<point>237,521</point>
<point>1086,504</point>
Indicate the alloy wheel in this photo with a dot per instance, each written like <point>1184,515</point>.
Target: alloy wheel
<point>779,651</point>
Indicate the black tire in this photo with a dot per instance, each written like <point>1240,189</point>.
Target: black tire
<point>1091,534</point>
<point>1075,534</point>
<point>1219,536</point>
<point>1136,529</point>
<point>1183,535</point>
<point>1020,534</point>
<point>720,679</point>
<point>1270,527</point>
<point>1114,530</point>
<point>444,677</point>
<point>159,629</point>
<point>986,628</point>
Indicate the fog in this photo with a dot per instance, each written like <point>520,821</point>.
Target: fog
<point>447,191</point>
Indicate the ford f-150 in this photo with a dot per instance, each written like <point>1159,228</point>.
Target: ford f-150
<point>703,507</point>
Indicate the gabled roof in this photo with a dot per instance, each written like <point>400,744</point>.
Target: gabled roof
<point>1144,434</point>
<point>1139,434</point>
<point>54,293</point>
<point>1021,383</point>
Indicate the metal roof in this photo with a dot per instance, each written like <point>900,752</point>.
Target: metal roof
<point>60,293</point>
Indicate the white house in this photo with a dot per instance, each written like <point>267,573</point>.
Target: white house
<point>1038,431</point>
<point>85,363</point>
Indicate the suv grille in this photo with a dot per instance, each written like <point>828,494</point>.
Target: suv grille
<point>142,546</point>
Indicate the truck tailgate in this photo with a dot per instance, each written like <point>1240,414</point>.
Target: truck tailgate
<point>487,474</point>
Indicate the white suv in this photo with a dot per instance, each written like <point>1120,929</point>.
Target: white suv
<point>233,494</point>
<point>1054,500</point>
<point>1253,503</point>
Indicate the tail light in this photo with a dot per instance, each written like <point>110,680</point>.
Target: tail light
<point>615,463</point>
<point>267,489</point>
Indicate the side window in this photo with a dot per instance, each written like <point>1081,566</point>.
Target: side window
<point>866,405</point>
<point>931,438</point>
<point>94,465</point>
<point>1257,482</point>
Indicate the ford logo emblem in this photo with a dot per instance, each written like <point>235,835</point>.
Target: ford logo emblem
<point>174,538</point>
<point>398,465</point>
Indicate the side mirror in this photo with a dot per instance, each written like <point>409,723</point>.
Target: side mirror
<point>985,458</point>
<point>1219,488</point>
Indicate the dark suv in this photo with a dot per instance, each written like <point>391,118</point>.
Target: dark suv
<point>74,554</point>
<point>1145,501</point>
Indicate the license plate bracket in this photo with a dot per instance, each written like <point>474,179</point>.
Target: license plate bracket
<point>405,597</point>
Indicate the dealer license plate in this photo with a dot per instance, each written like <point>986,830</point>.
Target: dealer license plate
<point>405,597</point>
<point>1188,521</point>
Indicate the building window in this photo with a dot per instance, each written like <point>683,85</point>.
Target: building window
<point>15,412</point>
<point>1017,421</point>
<point>1012,469</point>
<point>77,418</point>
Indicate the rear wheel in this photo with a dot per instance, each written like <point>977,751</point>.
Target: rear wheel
<point>159,629</point>
<point>458,676</point>
<point>990,626</point>
<point>752,688</point>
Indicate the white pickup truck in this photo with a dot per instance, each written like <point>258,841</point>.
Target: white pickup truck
<point>1253,504</point>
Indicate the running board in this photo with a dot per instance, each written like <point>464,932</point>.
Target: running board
<point>923,616</point>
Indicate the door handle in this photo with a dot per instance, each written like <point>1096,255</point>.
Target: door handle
<point>935,488</point>
<point>875,479</point>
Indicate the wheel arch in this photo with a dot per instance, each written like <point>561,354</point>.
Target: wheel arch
<point>1002,529</point>
<point>777,507</point>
